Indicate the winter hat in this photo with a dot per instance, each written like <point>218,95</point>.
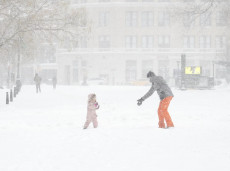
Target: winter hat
<point>91,96</point>
<point>150,74</point>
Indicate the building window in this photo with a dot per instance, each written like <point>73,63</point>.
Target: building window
<point>205,67</point>
<point>147,41</point>
<point>103,19</point>
<point>147,18</point>
<point>104,0</point>
<point>164,18</point>
<point>188,20</point>
<point>163,69</point>
<point>147,65</point>
<point>74,43</point>
<point>205,42</point>
<point>130,41</point>
<point>83,42</point>
<point>131,70</point>
<point>148,0</point>
<point>84,64</point>
<point>131,0</point>
<point>220,42</point>
<point>75,71</point>
<point>189,42</point>
<point>79,1</point>
<point>205,19</point>
<point>104,42</point>
<point>221,18</point>
<point>164,42</point>
<point>131,19</point>
<point>164,0</point>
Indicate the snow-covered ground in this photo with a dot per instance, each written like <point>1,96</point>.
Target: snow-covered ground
<point>43,132</point>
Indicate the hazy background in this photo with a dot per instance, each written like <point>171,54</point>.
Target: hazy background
<point>115,42</point>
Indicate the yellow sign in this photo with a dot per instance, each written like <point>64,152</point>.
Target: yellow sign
<point>192,70</point>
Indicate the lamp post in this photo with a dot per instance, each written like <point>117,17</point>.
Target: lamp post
<point>183,63</point>
<point>18,60</point>
<point>178,74</point>
<point>213,72</point>
<point>8,74</point>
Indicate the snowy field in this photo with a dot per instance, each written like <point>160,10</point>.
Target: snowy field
<point>43,132</point>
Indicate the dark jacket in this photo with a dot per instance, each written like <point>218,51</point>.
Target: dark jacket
<point>159,85</point>
<point>37,79</point>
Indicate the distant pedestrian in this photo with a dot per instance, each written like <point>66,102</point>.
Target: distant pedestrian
<point>91,111</point>
<point>37,80</point>
<point>54,80</point>
<point>165,94</point>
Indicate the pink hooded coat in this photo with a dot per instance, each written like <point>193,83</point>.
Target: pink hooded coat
<point>91,112</point>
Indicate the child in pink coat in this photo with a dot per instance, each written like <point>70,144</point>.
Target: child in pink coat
<point>91,111</point>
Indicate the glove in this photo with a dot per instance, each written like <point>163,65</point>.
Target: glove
<point>97,105</point>
<point>139,101</point>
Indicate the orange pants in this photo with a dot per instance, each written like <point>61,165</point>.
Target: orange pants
<point>163,113</point>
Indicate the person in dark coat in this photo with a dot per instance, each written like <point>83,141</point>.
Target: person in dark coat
<point>54,80</point>
<point>165,94</point>
<point>37,80</point>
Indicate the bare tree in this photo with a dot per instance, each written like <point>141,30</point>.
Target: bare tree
<point>45,19</point>
<point>26,24</point>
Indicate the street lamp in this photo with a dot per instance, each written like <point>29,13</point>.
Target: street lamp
<point>18,60</point>
<point>183,63</point>
<point>8,74</point>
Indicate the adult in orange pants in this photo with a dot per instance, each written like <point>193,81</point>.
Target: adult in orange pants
<point>165,94</point>
<point>163,113</point>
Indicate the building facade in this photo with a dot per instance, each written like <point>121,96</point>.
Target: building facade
<point>130,37</point>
